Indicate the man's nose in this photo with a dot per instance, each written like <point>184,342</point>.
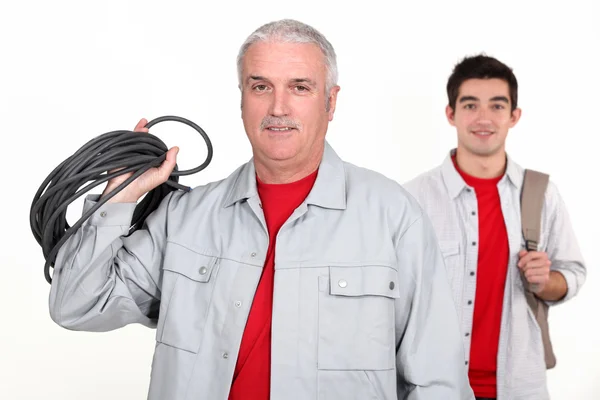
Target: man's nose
<point>279,103</point>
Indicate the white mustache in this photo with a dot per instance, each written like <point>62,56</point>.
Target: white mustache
<point>278,121</point>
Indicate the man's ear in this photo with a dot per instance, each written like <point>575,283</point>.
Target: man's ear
<point>450,115</point>
<point>515,117</point>
<point>331,101</point>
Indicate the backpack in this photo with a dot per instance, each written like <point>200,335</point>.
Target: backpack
<point>532,201</point>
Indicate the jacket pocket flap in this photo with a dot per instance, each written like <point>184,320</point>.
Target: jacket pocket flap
<point>449,248</point>
<point>368,280</point>
<point>189,263</point>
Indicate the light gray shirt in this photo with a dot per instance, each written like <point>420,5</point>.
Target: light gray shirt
<point>452,207</point>
<point>361,307</point>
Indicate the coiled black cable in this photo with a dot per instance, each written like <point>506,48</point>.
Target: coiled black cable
<point>124,151</point>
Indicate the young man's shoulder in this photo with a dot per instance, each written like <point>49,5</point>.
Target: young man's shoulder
<point>552,198</point>
<point>427,183</point>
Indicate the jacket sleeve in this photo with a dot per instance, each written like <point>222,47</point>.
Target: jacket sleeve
<point>563,248</point>
<point>104,279</point>
<point>430,353</point>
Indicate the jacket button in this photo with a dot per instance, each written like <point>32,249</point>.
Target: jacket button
<point>342,283</point>
<point>203,270</point>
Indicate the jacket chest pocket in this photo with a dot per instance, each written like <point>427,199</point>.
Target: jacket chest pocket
<point>452,262</point>
<point>356,318</point>
<point>187,290</point>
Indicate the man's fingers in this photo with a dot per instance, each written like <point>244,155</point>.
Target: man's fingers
<point>140,127</point>
<point>167,166</point>
<point>172,154</point>
<point>534,272</point>
<point>528,257</point>
<point>537,279</point>
<point>532,255</point>
<point>525,259</point>
<point>535,264</point>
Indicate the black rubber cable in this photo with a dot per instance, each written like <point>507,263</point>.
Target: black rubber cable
<point>124,150</point>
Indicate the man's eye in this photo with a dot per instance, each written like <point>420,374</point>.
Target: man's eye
<point>498,107</point>
<point>469,106</point>
<point>301,88</point>
<point>260,88</point>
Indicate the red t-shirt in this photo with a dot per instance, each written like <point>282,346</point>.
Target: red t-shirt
<point>252,375</point>
<point>492,264</point>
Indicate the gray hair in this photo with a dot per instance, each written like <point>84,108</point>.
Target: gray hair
<point>291,31</point>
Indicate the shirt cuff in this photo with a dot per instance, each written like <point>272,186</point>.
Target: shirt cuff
<point>110,214</point>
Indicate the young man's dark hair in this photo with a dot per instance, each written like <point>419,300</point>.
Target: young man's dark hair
<point>481,67</point>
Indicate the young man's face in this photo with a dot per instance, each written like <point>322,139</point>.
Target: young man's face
<point>482,116</point>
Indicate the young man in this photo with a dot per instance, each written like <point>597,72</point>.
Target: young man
<point>299,276</point>
<point>473,200</point>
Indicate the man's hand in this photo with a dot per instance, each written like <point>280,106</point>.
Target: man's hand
<point>536,268</point>
<point>149,180</point>
<point>546,284</point>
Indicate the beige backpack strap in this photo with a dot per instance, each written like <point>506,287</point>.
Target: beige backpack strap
<point>532,202</point>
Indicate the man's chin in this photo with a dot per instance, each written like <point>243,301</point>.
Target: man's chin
<point>483,151</point>
<point>486,152</point>
<point>281,155</point>
<point>275,153</point>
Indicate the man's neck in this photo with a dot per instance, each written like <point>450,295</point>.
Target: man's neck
<point>479,166</point>
<point>285,171</point>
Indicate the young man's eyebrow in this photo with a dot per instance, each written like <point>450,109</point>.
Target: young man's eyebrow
<point>500,98</point>
<point>467,98</point>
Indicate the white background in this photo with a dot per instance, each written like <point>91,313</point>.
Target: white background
<point>72,70</point>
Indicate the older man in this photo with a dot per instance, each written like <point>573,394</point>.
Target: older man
<point>297,277</point>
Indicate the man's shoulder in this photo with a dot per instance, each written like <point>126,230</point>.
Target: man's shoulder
<point>210,194</point>
<point>430,181</point>
<point>552,197</point>
<point>553,202</point>
<point>375,186</point>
